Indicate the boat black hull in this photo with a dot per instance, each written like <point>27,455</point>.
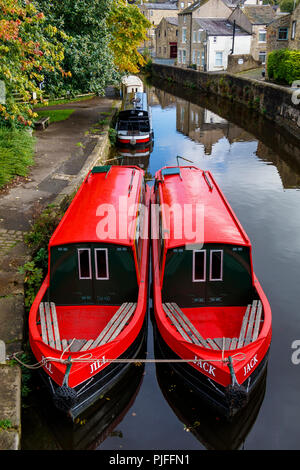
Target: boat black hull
<point>76,400</point>
<point>214,394</point>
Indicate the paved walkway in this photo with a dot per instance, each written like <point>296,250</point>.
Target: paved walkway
<point>63,152</point>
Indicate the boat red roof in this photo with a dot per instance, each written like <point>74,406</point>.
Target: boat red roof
<point>97,207</point>
<point>216,221</point>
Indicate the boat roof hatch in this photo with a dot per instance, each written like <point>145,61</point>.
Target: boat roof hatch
<point>170,172</point>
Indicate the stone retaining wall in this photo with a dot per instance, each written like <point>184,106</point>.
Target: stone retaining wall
<point>272,101</point>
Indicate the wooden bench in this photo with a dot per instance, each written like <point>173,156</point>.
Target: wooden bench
<point>49,325</point>
<point>248,333</point>
<point>113,327</point>
<point>51,335</point>
<point>42,123</point>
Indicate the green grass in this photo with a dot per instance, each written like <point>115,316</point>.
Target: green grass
<point>56,115</point>
<point>71,100</point>
<point>16,154</point>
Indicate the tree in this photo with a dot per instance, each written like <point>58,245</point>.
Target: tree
<point>128,28</point>
<point>87,55</point>
<point>28,50</point>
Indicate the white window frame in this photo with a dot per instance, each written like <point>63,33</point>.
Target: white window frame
<point>210,265</point>
<point>204,264</point>
<point>264,32</point>
<point>265,55</point>
<point>79,264</point>
<point>219,65</point>
<point>183,37</point>
<point>194,56</point>
<point>194,36</point>
<point>183,56</point>
<point>293,32</point>
<point>96,264</point>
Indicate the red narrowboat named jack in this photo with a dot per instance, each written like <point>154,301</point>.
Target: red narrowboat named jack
<point>211,314</point>
<point>91,307</point>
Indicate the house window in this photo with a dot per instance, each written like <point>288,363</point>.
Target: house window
<point>199,265</point>
<point>189,4</point>
<point>151,13</point>
<point>182,4</point>
<point>216,265</point>
<point>282,34</point>
<point>194,56</point>
<point>194,36</point>
<point>183,34</point>
<point>165,50</point>
<point>179,56</point>
<point>219,59</point>
<point>262,57</point>
<point>198,58</point>
<point>84,263</point>
<point>293,34</point>
<point>183,56</point>
<point>203,59</point>
<point>101,263</point>
<point>262,35</point>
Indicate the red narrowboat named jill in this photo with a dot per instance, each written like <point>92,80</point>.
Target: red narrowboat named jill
<point>91,308</point>
<point>211,314</point>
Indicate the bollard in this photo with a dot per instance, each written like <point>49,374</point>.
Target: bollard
<point>2,352</point>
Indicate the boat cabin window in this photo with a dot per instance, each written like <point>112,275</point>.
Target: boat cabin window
<point>101,263</point>
<point>216,265</point>
<point>92,274</point>
<point>199,265</point>
<point>84,263</point>
<point>214,275</point>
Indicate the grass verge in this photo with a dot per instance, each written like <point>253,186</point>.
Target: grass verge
<point>56,115</point>
<point>16,154</point>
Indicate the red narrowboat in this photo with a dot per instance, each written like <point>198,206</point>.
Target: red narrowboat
<point>212,318</point>
<point>89,315</point>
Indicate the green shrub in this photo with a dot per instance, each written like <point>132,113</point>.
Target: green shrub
<point>16,154</point>
<point>284,66</point>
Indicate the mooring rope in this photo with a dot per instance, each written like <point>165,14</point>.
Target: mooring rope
<point>89,358</point>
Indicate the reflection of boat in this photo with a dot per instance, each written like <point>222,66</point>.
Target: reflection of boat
<point>95,424</point>
<point>210,310</point>
<point>134,122</point>
<point>131,84</point>
<point>85,315</point>
<point>215,432</point>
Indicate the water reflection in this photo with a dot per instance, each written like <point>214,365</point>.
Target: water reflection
<point>213,431</point>
<point>91,428</point>
<point>218,121</point>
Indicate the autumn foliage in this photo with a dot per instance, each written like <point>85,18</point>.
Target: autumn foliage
<point>28,49</point>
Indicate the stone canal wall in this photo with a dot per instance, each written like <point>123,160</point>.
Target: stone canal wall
<point>276,103</point>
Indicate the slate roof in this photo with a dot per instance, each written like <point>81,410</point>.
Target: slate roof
<point>172,20</point>
<point>160,6</point>
<point>259,14</point>
<point>219,27</point>
<point>199,3</point>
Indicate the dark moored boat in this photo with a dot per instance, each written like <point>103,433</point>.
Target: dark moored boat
<point>90,309</point>
<point>210,310</point>
<point>134,123</point>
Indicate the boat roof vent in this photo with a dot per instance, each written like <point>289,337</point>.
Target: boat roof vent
<point>170,172</point>
<point>101,169</point>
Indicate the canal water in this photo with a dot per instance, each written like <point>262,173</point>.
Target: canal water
<point>255,165</point>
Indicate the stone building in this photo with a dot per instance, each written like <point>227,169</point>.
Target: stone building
<point>284,32</point>
<point>154,12</point>
<point>166,38</point>
<point>205,9</point>
<point>254,19</point>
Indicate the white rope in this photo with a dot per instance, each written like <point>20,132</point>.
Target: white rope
<point>89,358</point>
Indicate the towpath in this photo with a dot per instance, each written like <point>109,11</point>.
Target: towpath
<point>63,151</point>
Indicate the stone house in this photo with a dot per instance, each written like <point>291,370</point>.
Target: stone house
<point>284,32</point>
<point>154,12</point>
<point>166,38</point>
<point>213,40</point>
<point>208,9</point>
<point>254,19</point>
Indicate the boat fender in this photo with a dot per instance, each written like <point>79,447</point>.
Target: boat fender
<point>65,397</point>
<point>235,393</point>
